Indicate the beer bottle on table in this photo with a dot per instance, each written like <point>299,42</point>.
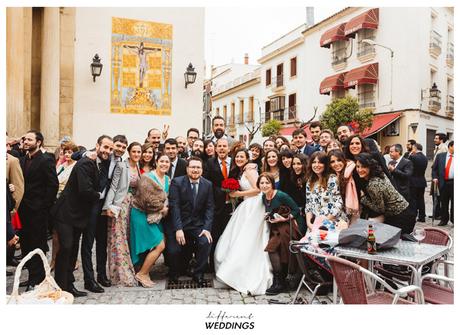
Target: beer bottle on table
<point>371,242</point>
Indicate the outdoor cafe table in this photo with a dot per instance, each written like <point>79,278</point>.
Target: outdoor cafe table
<point>410,254</point>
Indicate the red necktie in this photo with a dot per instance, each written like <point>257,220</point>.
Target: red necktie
<point>446,172</point>
<point>224,169</point>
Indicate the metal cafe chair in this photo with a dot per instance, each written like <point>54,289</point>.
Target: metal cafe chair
<point>350,279</point>
<point>312,284</point>
<point>438,289</point>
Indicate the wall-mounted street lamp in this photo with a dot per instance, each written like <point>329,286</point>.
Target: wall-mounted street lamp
<point>96,67</point>
<point>392,53</point>
<point>189,75</point>
<point>433,93</point>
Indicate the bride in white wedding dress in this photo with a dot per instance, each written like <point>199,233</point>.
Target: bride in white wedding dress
<point>240,259</point>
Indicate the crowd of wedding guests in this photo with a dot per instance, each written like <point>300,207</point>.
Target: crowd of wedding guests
<point>166,197</point>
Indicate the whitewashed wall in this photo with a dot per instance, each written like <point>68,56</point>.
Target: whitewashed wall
<point>92,115</point>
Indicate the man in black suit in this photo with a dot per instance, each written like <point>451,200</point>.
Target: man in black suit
<point>74,211</point>
<point>216,170</point>
<point>193,134</point>
<point>418,181</point>
<point>120,143</point>
<point>191,207</point>
<point>40,189</point>
<point>410,146</point>
<point>401,170</point>
<point>178,165</point>
<point>443,176</point>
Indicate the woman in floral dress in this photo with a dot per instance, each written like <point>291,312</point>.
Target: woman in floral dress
<point>118,207</point>
<point>323,199</point>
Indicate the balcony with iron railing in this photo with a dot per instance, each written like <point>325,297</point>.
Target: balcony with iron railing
<point>267,116</point>
<point>434,104</point>
<point>278,115</point>
<point>366,52</point>
<point>249,117</point>
<point>366,104</point>
<point>292,113</point>
<point>450,54</point>
<point>450,105</point>
<point>435,44</point>
<point>279,80</point>
<point>240,118</point>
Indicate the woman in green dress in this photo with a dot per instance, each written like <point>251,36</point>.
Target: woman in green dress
<point>149,207</point>
<point>282,231</point>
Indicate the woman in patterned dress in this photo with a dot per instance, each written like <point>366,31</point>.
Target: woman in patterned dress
<point>118,207</point>
<point>323,197</point>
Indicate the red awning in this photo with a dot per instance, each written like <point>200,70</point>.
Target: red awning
<point>380,122</point>
<point>367,74</point>
<point>332,83</point>
<point>367,20</point>
<point>332,35</point>
<point>288,131</point>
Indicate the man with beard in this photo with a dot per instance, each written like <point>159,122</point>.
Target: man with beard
<point>76,212</point>
<point>410,146</point>
<point>218,129</point>
<point>343,133</point>
<point>181,146</point>
<point>198,148</point>
<point>40,189</point>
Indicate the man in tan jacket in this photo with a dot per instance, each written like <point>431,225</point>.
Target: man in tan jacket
<point>15,181</point>
<point>14,177</point>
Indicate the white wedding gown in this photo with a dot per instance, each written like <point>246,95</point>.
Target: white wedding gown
<point>240,259</point>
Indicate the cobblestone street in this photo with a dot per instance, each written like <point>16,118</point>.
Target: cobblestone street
<point>218,294</point>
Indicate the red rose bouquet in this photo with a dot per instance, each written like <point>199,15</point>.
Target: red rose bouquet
<point>230,185</point>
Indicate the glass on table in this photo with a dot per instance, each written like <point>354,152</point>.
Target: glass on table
<point>419,234</point>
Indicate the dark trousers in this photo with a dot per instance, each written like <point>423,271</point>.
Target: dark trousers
<point>34,235</point>
<point>193,243</point>
<point>96,230</point>
<point>436,200</point>
<point>404,220</point>
<point>66,258</point>
<point>418,201</point>
<point>447,195</point>
<point>218,226</point>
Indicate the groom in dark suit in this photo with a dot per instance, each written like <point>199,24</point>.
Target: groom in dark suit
<point>217,169</point>
<point>191,206</point>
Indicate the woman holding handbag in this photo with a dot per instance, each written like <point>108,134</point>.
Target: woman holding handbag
<point>149,207</point>
<point>283,214</point>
